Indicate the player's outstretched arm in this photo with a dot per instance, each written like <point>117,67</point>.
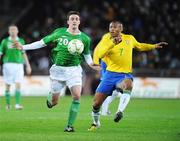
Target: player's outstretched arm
<point>89,61</point>
<point>28,66</point>
<point>95,67</point>
<point>161,44</point>
<point>32,46</point>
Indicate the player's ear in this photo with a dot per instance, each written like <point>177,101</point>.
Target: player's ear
<point>121,27</point>
<point>68,21</point>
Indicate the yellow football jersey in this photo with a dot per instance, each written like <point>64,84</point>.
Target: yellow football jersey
<point>118,57</point>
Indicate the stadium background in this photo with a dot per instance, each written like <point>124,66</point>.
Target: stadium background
<point>149,21</point>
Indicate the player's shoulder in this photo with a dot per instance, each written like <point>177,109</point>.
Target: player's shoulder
<point>128,37</point>
<point>106,36</point>
<point>5,40</point>
<point>85,36</point>
<point>21,39</point>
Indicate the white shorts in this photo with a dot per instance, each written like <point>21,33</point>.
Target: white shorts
<point>13,73</point>
<point>61,76</point>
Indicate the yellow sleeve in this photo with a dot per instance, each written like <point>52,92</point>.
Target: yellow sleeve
<point>102,48</point>
<point>95,56</point>
<point>142,46</point>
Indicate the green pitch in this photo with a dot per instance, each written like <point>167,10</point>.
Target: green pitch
<point>144,120</point>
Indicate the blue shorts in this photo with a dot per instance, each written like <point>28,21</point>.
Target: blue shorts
<point>103,69</point>
<point>110,80</point>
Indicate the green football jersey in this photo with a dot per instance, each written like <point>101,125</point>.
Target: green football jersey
<point>11,54</point>
<point>60,54</point>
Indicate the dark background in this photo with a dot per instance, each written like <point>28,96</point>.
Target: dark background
<point>150,21</point>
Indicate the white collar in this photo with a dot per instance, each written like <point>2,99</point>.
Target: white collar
<point>73,34</point>
<point>17,38</point>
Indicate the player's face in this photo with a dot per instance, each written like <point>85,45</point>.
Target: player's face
<point>13,31</point>
<point>74,21</point>
<point>115,29</point>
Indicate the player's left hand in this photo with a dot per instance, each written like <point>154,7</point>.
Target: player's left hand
<point>17,45</point>
<point>161,44</point>
<point>28,70</point>
<point>95,67</point>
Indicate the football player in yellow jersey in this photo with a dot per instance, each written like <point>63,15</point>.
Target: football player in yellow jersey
<point>116,49</point>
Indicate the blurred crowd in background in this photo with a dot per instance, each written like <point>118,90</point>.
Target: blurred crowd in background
<point>150,21</point>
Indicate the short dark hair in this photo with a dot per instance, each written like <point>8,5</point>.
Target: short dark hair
<point>72,13</point>
<point>12,25</point>
<point>117,22</point>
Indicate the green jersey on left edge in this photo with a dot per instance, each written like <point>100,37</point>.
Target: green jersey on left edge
<point>11,54</point>
<point>60,54</point>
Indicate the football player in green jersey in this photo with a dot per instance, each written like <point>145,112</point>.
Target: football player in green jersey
<point>66,69</point>
<point>13,60</point>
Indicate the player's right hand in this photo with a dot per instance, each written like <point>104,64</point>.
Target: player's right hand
<point>117,39</point>
<point>161,44</point>
<point>95,67</point>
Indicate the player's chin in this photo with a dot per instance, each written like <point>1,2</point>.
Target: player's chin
<point>75,25</point>
<point>113,35</point>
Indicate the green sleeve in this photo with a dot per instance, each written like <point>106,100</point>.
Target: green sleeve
<point>2,47</point>
<point>87,46</point>
<point>22,41</point>
<point>51,37</point>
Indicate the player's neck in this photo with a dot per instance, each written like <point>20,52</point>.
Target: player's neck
<point>13,37</point>
<point>74,31</point>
